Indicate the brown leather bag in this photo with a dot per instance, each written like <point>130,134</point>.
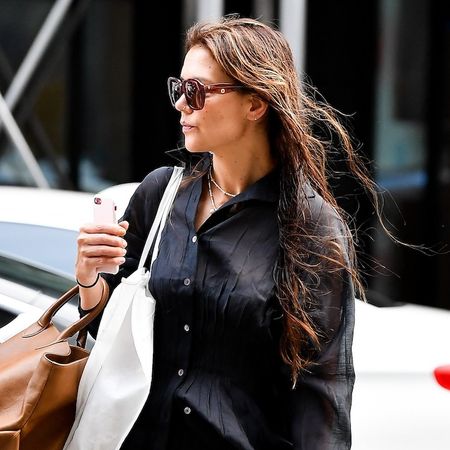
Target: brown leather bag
<point>39,375</point>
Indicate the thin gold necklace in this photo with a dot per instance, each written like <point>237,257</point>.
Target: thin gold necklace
<point>211,196</point>
<point>217,185</point>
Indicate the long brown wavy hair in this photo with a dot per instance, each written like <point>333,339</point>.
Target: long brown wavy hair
<point>259,57</point>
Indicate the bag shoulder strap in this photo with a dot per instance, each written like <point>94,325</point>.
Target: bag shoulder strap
<point>161,216</point>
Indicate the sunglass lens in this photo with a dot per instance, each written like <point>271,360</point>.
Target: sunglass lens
<point>174,90</point>
<point>192,89</point>
<point>194,94</point>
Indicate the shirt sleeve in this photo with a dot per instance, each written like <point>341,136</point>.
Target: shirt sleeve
<point>140,213</point>
<point>321,400</point>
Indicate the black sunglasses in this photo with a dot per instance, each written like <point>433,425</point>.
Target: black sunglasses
<point>195,91</point>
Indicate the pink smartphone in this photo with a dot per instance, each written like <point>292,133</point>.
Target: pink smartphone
<point>104,210</point>
<point>104,213</point>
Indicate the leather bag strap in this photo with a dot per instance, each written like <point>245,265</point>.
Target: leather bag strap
<point>80,325</point>
<point>77,327</point>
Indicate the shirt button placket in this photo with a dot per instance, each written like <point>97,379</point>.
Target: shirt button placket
<point>181,372</point>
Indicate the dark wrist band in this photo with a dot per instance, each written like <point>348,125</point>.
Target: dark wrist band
<point>87,286</point>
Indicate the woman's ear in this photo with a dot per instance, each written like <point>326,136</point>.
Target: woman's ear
<point>258,108</point>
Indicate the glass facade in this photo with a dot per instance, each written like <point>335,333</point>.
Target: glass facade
<point>411,148</point>
<point>75,110</point>
<point>400,147</point>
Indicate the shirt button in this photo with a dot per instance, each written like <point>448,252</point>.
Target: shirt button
<point>180,372</point>
<point>187,281</point>
<point>186,328</point>
<point>187,410</point>
<point>194,239</point>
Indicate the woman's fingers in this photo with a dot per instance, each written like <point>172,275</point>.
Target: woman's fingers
<point>124,224</point>
<point>106,228</point>
<point>100,245</point>
<point>95,239</point>
<point>92,251</point>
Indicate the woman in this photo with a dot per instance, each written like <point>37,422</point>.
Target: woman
<point>255,276</point>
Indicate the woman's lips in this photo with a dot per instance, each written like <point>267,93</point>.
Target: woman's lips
<point>186,127</point>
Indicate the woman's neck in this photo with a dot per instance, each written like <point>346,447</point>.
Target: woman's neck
<point>235,170</point>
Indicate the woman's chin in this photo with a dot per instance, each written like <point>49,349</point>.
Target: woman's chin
<point>195,148</point>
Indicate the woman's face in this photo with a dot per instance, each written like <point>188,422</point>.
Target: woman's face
<point>222,122</point>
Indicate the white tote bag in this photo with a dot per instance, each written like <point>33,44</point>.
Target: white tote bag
<point>116,380</point>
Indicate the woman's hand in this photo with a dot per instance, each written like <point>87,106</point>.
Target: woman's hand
<point>99,247</point>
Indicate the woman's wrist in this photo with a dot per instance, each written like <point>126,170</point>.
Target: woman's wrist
<point>88,285</point>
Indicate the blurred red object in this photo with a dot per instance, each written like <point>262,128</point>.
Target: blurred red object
<point>442,375</point>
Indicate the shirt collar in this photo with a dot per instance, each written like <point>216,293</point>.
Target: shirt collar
<point>265,189</point>
<point>189,160</point>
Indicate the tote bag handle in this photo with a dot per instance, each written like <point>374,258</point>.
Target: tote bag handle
<point>161,217</point>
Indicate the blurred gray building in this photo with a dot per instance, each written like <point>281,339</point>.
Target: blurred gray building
<point>84,106</point>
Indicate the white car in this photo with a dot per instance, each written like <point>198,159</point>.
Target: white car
<point>400,352</point>
<point>38,231</point>
<point>398,403</point>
